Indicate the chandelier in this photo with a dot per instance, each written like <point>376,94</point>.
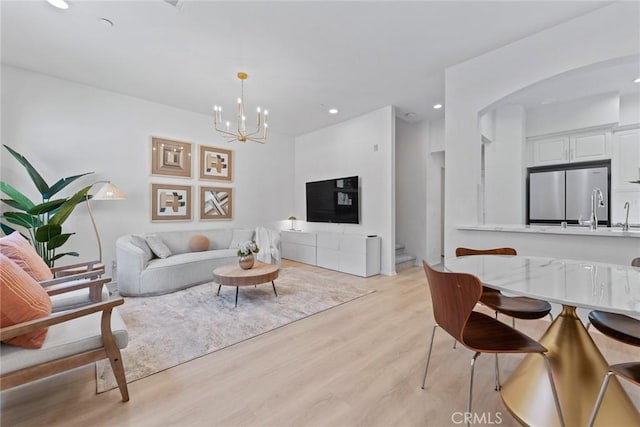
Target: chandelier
<point>239,131</point>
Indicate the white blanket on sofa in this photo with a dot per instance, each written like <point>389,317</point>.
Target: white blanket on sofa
<point>267,241</point>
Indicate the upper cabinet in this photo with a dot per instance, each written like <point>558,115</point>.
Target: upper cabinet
<point>575,147</point>
<point>626,160</point>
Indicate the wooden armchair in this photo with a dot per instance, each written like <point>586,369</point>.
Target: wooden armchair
<point>76,337</point>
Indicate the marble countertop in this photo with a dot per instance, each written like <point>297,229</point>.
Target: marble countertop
<point>554,229</point>
<point>585,284</point>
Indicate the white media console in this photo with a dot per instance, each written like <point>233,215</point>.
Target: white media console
<point>349,253</point>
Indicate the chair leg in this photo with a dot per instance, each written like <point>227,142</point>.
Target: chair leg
<point>603,389</point>
<point>455,343</point>
<point>551,316</point>
<point>113,353</point>
<point>473,363</point>
<point>498,386</point>
<point>547,365</point>
<point>513,322</point>
<point>433,334</point>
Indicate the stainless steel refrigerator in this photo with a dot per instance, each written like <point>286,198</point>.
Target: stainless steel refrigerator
<point>563,192</point>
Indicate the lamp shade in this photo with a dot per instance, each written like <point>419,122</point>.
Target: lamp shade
<point>292,218</point>
<point>109,192</point>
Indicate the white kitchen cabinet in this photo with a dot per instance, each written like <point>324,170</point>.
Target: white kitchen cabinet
<point>626,160</point>
<point>576,147</point>
<point>298,246</point>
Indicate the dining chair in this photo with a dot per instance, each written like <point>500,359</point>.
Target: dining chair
<point>515,307</point>
<point>453,296</point>
<point>622,328</point>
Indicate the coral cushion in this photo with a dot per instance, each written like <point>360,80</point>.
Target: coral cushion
<point>20,251</point>
<point>199,243</point>
<point>22,299</point>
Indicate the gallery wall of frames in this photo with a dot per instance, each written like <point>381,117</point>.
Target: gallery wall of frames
<point>175,159</point>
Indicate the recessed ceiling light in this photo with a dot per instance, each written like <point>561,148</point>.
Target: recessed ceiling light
<point>106,22</point>
<point>637,80</point>
<point>60,4</point>
<point>333,111</point>
<point>437,106</point>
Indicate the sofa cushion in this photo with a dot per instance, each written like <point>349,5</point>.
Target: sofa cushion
<point>22,299</point>
<point>18,249</point>
<point>199,243</point>
<point>240,235</point>
<point>157,246</point>
<point>139,242</point>
<point>65,339</point>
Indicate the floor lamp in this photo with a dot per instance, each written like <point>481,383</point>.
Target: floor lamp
<point>107,192</point>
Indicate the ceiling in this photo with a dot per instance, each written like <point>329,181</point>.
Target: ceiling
<point>302,57</point>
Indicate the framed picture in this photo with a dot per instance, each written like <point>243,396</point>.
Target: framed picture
<point>170,202</point>
<point>215,163</point>
<point>216,203</point>
<point>170,158</point>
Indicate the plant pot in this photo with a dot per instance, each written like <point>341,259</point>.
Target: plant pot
<point>246,262</point>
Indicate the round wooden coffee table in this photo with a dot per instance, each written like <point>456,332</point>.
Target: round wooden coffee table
<point>233,275</point>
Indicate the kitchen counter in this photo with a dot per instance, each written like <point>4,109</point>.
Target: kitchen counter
<point>555,229</point>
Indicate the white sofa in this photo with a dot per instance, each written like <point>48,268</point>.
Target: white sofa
<point>142,274</point>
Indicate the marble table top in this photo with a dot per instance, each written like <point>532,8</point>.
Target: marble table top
<point>586,284</point>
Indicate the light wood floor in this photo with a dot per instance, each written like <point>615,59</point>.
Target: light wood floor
<point>359,364</point>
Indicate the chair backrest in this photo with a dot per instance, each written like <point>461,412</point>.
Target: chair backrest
<point>496,251</point>
<point>635,262</point>
<point>453,296</point>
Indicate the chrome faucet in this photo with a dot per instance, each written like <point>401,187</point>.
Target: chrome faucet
<point>597,200</point>
<point>625,226</point>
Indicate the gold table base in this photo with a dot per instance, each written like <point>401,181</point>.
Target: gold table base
<point>578,370</point>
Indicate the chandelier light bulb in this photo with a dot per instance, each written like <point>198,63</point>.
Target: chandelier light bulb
<point>258,110</point>
<point>239,100</point>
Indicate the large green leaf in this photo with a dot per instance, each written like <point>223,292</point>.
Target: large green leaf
<point>6,229</point>
<point>58,256</point>
<point>21,201</point>
<point>45,207</point>
<point>58,240</point>
<point>64,182</point>
<point>39,182</point>
<point>67,207</point>
<point>23,219</point>
<point>48,232</point>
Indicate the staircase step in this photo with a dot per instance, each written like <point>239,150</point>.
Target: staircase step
<point>405,261</point>
<point>399,248</point>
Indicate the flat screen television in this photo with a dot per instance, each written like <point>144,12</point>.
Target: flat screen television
<point>334,200</point>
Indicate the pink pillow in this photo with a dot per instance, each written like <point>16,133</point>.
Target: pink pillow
<point>23,299</point>
<point>20,251</point>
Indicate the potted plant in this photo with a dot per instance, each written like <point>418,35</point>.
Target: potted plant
<point>43,221</point>
<point>245,254</point>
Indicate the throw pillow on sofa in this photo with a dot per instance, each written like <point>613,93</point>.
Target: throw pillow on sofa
<point>20,251</point>
<point>240,236</point>
<point>139,242</point>
<point>157,246</point>
<point>199,243</point>
<point>23,299</point>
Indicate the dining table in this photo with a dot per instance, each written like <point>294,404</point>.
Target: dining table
<point>578,367</point>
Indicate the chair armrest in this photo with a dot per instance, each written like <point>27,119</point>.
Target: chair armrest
<point>60,288</point>
<point>88,265</point>
<point>62,279</point>
<point>55,318</point>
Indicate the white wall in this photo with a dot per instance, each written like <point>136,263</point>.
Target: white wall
<point>436,135</point>
<point>576,114</point>
<point>412,151</point>
<point>475,84</point>
<point>504,177</point>
<point>65,128</point>
<point>629,109</point>
<point>363,146</point>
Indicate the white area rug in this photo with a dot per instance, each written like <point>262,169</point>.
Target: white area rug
<point>167,330</point>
